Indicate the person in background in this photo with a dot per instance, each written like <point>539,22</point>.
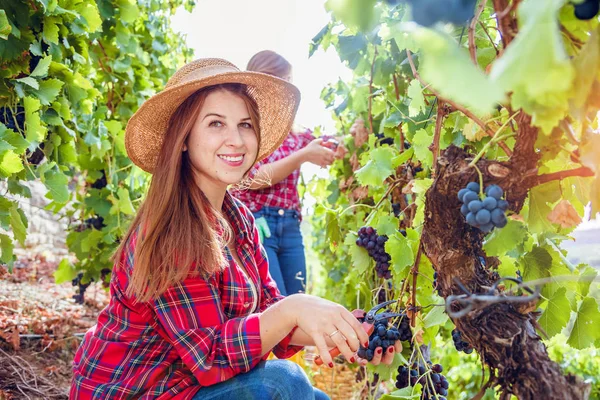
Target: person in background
<point>193,311</point>
<point>272,191</point>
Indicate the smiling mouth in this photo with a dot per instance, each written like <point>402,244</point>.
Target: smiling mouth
<point>232,159</point>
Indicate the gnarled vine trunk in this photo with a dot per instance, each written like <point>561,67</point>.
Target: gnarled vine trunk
<point>504,336</point>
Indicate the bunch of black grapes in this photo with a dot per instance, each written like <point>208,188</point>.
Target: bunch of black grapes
<point>428,12</point>
<point>417,374</point>
<point>375,245</point>
<point>12,121</point>
<point>385,336</point>
<point>460,344</point>
<point>485,213</point>
<point>81,288</point>
<point>587,9</point>
<point>384,140</point>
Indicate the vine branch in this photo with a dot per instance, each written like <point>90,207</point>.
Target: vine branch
<point>472,25</point>
<point>554,176</point>
<point>455,105</point>
<point>371,90</point>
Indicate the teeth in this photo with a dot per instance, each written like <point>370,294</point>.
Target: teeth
<point>232,159</point>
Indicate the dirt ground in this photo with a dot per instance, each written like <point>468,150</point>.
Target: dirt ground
<point>40,328</point>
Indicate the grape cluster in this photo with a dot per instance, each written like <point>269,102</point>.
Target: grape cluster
<point>485,213</point>
<point>375,245</point>
<point>384,140</point>
<point>82,287</point>
<point>460,344</point>
<point>384,336</point>
<point>417,374</point>
<point>397,209</point>
<point>15,122</point>
<point>100,182</point>
<point>428,12</point>
<point>587,10</point>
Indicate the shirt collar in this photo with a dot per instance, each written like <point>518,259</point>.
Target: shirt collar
<point>239,222</point>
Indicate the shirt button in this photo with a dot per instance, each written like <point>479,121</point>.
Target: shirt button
<point>280,212</point>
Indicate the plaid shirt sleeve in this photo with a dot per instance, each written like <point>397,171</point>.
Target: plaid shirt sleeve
<point>213,347</point>
<point>305,138</point>
<point>270,294</point>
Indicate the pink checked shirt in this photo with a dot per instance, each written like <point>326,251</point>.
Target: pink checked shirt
<point>285,193</point>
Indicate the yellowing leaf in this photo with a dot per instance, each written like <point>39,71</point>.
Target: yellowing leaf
<point>473,132</point>
<point>590,157</point>
<point>564,214</point>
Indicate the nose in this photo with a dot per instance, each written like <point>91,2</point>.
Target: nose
<point>234,138</point>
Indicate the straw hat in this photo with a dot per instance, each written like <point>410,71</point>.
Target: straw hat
<point>277,102</point>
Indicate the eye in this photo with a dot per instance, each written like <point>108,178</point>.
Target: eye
<point>246,125</point>
<point>216,123</point>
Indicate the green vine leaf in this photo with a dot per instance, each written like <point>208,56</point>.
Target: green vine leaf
<point>585,330</point>
<point>378,167</point>
<point>557,313</point>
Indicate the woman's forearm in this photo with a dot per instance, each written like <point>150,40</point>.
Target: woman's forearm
<point>275,324</point>
<point>273,173</point>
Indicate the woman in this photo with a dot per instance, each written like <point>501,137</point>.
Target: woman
<point>193,312</point>
<point>273,193</point>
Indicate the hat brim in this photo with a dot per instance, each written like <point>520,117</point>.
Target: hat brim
<point>276,98</point>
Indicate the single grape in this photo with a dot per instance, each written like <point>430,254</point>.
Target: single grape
<point>464,210</point>
<point>483,217</point>
<point>461,193</point>
<point>587,10</point>
<point>473,186</point>
<point>486,227</point>
<point>475,206</point>
<point>503,205</point>
<point>437,368</point>
<point>498,218</point>
<point>471,219</point>
<point>470,196</point>
<point>494,191</point>
<point>489,203</point>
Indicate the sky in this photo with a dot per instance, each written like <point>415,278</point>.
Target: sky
<point>237,29</point>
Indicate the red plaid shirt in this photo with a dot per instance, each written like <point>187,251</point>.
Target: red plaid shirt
<point>283,194</point>
<point>198,333</point>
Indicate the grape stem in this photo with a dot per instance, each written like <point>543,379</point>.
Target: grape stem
<point>497,137</point>
<point>376,206</point>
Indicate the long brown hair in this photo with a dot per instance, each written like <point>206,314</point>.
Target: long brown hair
<point>269,62</point>
<point>178,231</point>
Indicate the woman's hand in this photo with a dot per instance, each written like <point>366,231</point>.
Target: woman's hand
<point>328,324</point>
<point>317,153</point>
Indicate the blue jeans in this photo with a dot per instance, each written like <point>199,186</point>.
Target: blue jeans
<point>285,250</point>
<point>269,380</point>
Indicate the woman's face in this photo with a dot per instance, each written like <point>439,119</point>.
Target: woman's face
<point>222,144</point>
